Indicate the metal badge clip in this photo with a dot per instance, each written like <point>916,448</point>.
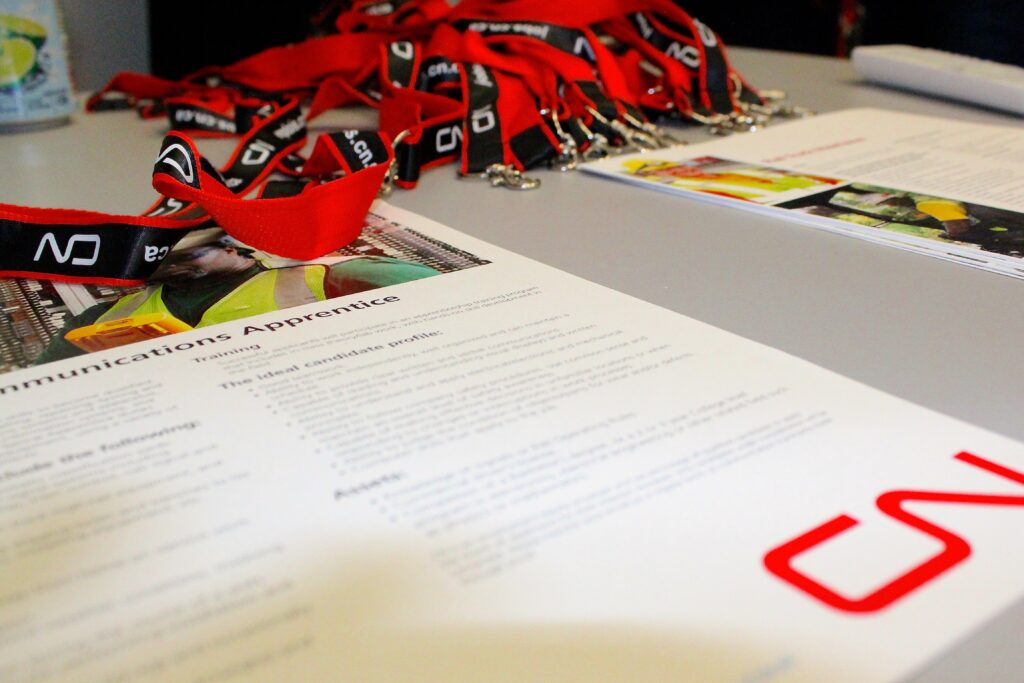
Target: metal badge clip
<point>568,157</point>
<point>772,95</point>
<point>632,140</point>
<point>774,105</point>
<point>598,147</point>
<point>504,175</point>
<point>661,136</point>
<point>388,185</point>
<point>748,123</point>
<point>758,109</point>
<point>789,111</point>
<point>636,139</point>
<point>739,122</point>
<point>708,119</point>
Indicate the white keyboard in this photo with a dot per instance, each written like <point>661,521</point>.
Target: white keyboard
<point>978,81</point>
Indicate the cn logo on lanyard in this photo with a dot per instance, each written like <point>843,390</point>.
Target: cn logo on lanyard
<point>403,49</point>
<point>956,549</point>
<point>707,36</point>
<point>257,152</point>
<point>687,54</point>
<point>483,119</point>
<point>448,139</point>
<point>62,256</point>
<point>582,48</point>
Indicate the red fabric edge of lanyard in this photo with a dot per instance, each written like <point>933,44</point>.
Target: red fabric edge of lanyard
<point>70,279</point>
<point>49,216</point>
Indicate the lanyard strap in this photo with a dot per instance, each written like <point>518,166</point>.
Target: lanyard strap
<point>326,213</point>
<point>84,246</point>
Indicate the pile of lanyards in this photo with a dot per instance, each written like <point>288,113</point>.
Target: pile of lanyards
<point>496,86</point>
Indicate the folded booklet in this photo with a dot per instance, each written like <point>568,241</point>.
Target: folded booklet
<point>948,189</point>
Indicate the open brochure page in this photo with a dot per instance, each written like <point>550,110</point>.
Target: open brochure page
<point>475,468</point>
<point>944,188</point>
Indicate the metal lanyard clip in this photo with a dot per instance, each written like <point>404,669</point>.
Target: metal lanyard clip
<point>633,141</point>
<point>661,136</point>
<point>789,111</point>
<point>773,95</point>
<point>773,106</point>
<point>740,122</point>
<point>598,147</point>
<point>568,157</point>
<point>710,120</point>
<point>504,175</point>
<point>388,186</point>
<point>731,126</point>
<point>777,110</point>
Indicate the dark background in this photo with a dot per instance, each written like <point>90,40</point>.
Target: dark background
<point>223,32</point>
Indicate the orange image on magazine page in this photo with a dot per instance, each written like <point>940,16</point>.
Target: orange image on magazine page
<point>956,549</point>
<point>112,333</point>
<point>725,178</point>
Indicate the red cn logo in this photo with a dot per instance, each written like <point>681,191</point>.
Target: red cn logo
<point>780,560</point>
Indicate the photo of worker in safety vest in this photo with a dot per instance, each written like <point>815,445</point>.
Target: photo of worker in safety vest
<point>923,215</point>
<point>871,221</point>
<point>215,283</point>
<point>711,175</point>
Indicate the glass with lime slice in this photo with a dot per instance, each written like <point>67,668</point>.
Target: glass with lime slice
<point>34,86</point>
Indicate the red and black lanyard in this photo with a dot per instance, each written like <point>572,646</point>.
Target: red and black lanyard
<point>497,86</point>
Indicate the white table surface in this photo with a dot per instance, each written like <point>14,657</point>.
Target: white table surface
<point>945,336</point>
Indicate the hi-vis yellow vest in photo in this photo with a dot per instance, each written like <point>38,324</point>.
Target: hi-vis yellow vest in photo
<point>270,290</point>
